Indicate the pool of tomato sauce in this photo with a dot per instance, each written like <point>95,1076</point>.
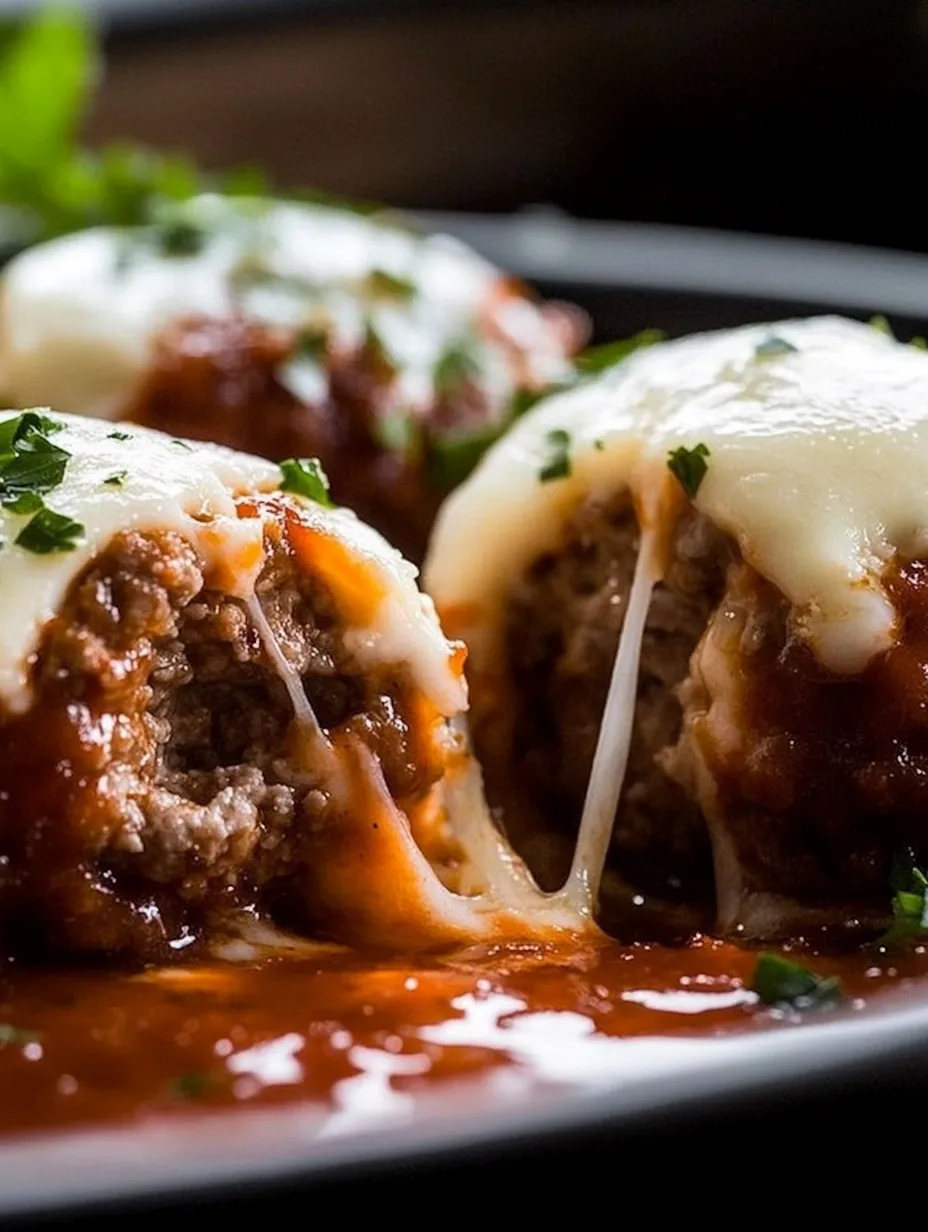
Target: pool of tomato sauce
<point>81,1047</point>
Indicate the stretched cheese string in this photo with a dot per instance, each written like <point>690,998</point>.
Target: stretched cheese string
<point>581,888</point>
<point>302,710</point>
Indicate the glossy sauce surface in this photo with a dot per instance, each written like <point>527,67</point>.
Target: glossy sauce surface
<point>358,1040</point>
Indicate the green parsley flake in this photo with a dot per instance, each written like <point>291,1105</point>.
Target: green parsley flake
<point>49,532</point>
<point>116,480</point>
<point>175,440</point>
<point>881,325</point>
<point>597,359</point>
<point>773,346</point>
<point>455,368</point>
<point>31,465</point>
<point>376,349</point>
<point>399,432</point>
<point>689,466</point>
<point>557,465</point>
<point>193,1085</point>
<point>310,344</point>
<point>910,904</point>
<point>10,1034</point>
<point>380,284</point>
<point>119,436</point>
<point>782,983</point>
<point>180,237</point>
<point>305,477</point>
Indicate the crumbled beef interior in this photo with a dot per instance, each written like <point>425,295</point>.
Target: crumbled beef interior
<point>173,793</point>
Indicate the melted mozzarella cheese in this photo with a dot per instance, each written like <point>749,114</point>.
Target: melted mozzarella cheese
<point>166,484</point>
<point>817,469</point>
<point>79,315</point>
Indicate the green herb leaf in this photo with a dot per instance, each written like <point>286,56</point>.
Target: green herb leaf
<point>919,343</point>
<point>376,348</point>
<point>689,466</point>
<point>47,71</point>
<point>10,1034</point>
<point>557,465</point>
<point>175,440</point>
<point>772,346</point>
<point>456,367</point>
<point>311,343</point>
<point>30,464</point>
<point>117,479</point>
<point>381,285</point>
<point>779,981</point>
<point>119,436</point>
<point>399,432</point>
<point>193,1085</point>
<point>910,903</point>
<point>598,358</point>
<point>881,325</point>
<point>180,237</point>
<point>305,477</point>
<point>49,532</point>
<point>29,502</point>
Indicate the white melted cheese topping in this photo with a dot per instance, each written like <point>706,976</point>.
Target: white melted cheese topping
<point>817,467</point>
<point>79,315</point>
<point>190,488</point>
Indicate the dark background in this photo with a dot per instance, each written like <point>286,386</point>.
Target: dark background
<point>796,117</point>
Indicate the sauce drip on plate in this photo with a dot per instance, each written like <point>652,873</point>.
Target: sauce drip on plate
<point>358,1041</point>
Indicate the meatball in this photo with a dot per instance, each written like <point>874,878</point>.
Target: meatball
<point>289,331</point>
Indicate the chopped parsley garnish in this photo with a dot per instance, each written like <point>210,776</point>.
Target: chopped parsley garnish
<point>305,477</point>
<point>689,466</point>
<point>175,440</point>
<point>49,532</point>
<point>193,1085</point>
<point>910,903</point>
<point>400,432</point>
<point>117,479</point>
<point>180,237</point>
<point>310,343</point>
<point>772,346</point>
<point>383,285</point>
<point>881,325</point>
<point>29,502</point>
<point>10,1034</point>
<point>30,463</point>
<point>557,465</point>
<point>31,466</point>
<point>49,183</point>
<point>456,367</point>
<point>376,348</point>
<point>781,982</point>
<point>599,445</point>
<point>598,358</point>
<point>119,436</point>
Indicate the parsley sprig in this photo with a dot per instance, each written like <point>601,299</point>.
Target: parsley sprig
<point>689,466</point>
<point>785,984</point>
<point>49,183</point>
<point>909,885</point>
<point>31,466</point>
<point>305,477</point>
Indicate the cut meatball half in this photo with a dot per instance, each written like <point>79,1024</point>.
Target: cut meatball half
<point>289,330</point>
<point>694,593</point>
<point>222,702</point>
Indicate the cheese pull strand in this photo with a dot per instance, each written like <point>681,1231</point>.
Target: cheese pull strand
<point>302,710</point>
<point>581,889</point>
